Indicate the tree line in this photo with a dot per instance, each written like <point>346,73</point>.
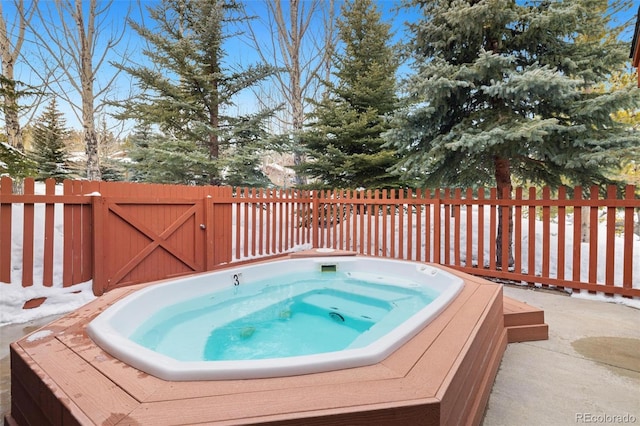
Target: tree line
<point>478,92</point>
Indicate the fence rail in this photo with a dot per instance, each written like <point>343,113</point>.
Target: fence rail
<point>118,234</point>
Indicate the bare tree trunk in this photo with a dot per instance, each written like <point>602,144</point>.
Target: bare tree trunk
<point>297,108</point>
<point>214,121</point>
<point>10,56</point>
<point>288,43</point>
<point>329,40</point>
<point>86,38</point>
<point>10,108</point>
<point>214,112</point>
<point>70,42</point>
<point>503,182</point>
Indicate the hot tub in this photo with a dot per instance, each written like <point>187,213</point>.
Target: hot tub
<point>280,318</point>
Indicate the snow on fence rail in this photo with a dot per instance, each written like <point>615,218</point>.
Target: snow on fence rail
<point>118,234</point>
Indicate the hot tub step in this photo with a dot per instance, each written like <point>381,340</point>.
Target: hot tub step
<point>330,302</point>
<point>524,323</point>
<point>527,333</point>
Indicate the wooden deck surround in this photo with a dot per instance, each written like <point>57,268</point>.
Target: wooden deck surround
<point>443,376</point>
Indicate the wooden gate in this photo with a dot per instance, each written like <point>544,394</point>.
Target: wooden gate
<point>140,240</point>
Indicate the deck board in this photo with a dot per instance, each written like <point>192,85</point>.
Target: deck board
<point>403,361</point>
<point>443,375</point>
<point>524,322</point>
<point>331,390</point>
<point>92,392</point>
<point>465,382</point>
<point>293,402</point>
<point>464,377</point>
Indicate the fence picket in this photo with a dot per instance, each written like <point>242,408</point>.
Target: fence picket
<point>480,228</point>
<point>27,235</point>
<point>6,218</point>
<point>427,225</point>
<point>419,224</point>
<point>392,211</point>
<point>531,261</point>
<point>244,194</point>
<point>369,210</point>
<point>469,228</point>
<point>611,234</point>
<point>629,232</point>
<point>456,227</point>
<point>402,207</point>
<point>447,225</point>
<point>577,235</point>
<point>562,220</point>
<point>49,223</point>
<point>517,232</point>
<point>546,232</point>
<point>238,216</point>
<point>505,215</point>
<point>493,226</point>
<point>593,238</point>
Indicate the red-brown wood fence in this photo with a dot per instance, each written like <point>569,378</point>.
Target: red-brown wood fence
<point>118,234</point>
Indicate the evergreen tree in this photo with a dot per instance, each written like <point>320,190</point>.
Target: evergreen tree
<point>629,161</point>
<point>503,89</point>
<point>242,165</point>
<point>112,170</point>
<point>191,86</point>
<point>14,163</point>
<point>160,159</point>
<point>343,141</point>
<point>49,150</point>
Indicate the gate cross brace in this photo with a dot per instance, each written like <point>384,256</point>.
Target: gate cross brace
<point>157,240</point>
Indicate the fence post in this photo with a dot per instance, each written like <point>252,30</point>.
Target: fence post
<point>577,234</point>
<point>517,231</point>
<point>28,235</point>
<point>480,228</point>
<point>437,232</point>
<point>314,218</point>
<point>99,283</point>
<point>593,236</point>
<point>49,224</point>
<point>208,231</point>
<point>221,229</point>
<point>609,267</point>
<point>446,218</point>
<point>6,188</point>
<point>629,233</point>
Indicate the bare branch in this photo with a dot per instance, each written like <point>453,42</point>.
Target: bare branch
<point>75,48</point>
<point>10,55</point>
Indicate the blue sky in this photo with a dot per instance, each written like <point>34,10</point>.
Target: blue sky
<point>114,20</point>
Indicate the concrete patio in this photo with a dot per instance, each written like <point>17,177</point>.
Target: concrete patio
<point>587,372</point>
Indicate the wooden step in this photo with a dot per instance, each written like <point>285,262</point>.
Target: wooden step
<point>524,323</point>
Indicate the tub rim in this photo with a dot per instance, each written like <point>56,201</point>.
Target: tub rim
<point>112,341</point>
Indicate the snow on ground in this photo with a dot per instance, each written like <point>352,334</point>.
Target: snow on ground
<point>59,300</point>
<point>62,300</point>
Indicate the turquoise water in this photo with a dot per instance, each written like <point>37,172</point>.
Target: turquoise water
<point>285,316</point>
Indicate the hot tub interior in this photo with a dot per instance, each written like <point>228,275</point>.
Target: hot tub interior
<point>354,312</point>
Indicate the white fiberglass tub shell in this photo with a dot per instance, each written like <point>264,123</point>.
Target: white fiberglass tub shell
<point>112,329</point>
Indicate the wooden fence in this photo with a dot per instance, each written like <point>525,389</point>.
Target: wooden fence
<point>118,234</point>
